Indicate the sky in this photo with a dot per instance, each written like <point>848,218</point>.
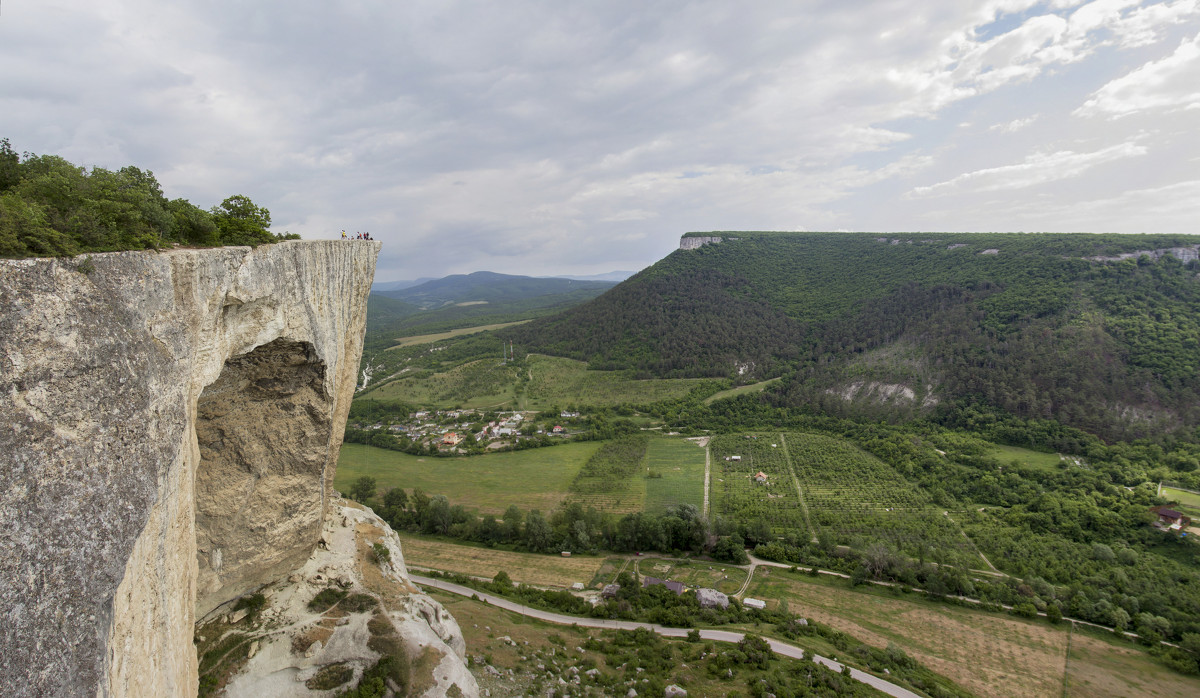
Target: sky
<point>550,137</point>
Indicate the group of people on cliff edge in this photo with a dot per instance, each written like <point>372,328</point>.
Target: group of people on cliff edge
<point>357,236</point>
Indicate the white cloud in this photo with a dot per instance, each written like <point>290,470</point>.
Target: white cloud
<point>1014,125</point>
<point>1170,83</point>
<point>1039,168</point>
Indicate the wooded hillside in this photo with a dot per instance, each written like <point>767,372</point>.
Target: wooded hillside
<point>1034,325</point>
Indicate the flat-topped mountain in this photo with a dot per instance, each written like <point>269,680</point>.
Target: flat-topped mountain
<point>1097,331</point>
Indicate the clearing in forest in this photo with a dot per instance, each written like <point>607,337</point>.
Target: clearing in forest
<point>536,478</point>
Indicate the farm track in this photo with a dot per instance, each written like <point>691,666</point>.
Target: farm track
<point>799,493</point>
<point>707,475</point>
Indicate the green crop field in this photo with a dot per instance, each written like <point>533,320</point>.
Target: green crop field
<point>613,479</point>
<point>859,499</point>
<point>533,479</point>
<point>482,383</point>
<point>557,381</point>
<point>1025,457</point>
<point>734,493</point>
<point>680,464</point>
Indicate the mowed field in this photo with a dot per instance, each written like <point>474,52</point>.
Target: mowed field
<point>527,568</point>
<point>986,653</point>
<point>681,465</point>
<point>533,479</point>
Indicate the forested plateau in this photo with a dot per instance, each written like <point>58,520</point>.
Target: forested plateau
<point>1099,332</point>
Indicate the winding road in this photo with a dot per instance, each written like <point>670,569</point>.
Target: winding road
<point>780,648</point>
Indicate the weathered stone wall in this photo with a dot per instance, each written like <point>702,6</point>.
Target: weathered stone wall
<point>112,465</point>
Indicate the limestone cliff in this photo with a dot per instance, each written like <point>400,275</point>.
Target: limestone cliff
<point>169,429</point>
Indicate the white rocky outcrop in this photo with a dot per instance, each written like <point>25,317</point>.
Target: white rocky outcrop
<point>425,630</point>
<point>169,429</point>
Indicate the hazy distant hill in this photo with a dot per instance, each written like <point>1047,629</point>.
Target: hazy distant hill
<point>464,300</point>
<point>489,287</point>
<point>1035,325</point>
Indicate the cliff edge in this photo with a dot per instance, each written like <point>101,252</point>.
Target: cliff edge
<point>169,430</point>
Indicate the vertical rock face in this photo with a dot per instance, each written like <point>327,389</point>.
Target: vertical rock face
<point>169,428</point>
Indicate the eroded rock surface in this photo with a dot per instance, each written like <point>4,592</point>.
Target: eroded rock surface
<point>295,643</point>
<point>162,410</point>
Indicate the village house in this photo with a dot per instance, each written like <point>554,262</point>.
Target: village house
<point>676,587</point>
<point>557,429</point>
<point>451,438</point>
<point>760,477</point>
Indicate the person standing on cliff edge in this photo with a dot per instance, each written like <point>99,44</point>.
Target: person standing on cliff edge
<point>344,235</point>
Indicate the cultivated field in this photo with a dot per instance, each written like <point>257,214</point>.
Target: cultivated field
<point>558,381</point>
<point>681,465</point>
<point>859,499</point>
<point>614,478</point>
<point>988,654</point>
<point>734,493</point>
<point>537,478</point>
<point>527,568</point>
<point>431,338</point>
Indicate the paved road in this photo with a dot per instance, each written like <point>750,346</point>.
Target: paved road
<point>718,635</point>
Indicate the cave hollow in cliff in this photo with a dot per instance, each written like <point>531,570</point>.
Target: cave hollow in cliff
<point>262,431</point>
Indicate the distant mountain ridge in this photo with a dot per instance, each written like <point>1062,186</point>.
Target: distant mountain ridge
<point>466,300</point>
<point>1031,324</point>
<point>488,287</point>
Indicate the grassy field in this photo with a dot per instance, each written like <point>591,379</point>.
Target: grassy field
<point>988,654</point>
<point>478,384</point>
<point>558,381</point>
<point>681,464</point>
<point>528,568</point>
<point>431,338</point>
<point>1031,459</point>
<point>534,479</point>
<point>740,390</point>
<point>1188,501</point>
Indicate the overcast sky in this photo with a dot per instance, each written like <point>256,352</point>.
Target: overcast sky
<point>583,137</point>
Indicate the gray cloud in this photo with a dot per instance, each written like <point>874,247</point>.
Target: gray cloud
<point>539,137</point>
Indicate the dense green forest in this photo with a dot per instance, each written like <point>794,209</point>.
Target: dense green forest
<point>1038,326</point>
<point>51,207</point>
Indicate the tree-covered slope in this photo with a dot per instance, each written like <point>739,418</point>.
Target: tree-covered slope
<point>1036,325</point>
